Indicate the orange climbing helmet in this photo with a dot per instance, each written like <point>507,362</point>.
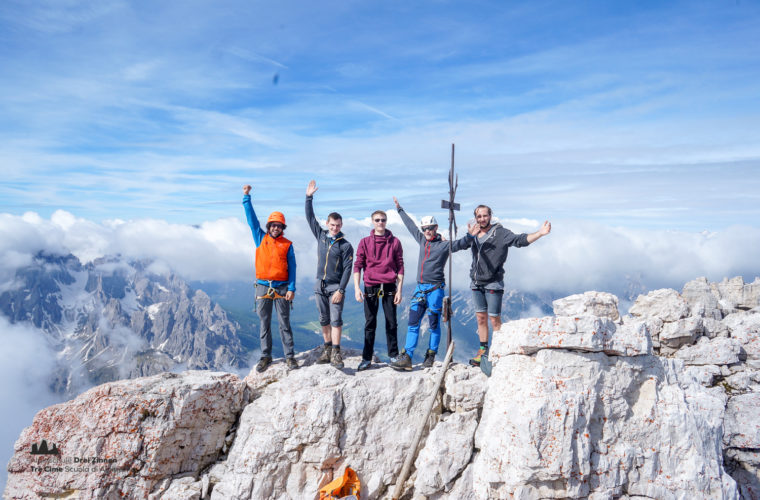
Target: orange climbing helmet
<point>276,217</point>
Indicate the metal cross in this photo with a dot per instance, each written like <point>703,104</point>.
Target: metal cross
<point>451,206</point>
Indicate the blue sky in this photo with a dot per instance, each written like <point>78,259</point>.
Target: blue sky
<point>632,114</point>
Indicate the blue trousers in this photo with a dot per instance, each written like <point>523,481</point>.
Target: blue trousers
<point>422,302</point>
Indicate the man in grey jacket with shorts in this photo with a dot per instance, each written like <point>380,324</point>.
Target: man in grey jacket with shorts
<point>489,253</point>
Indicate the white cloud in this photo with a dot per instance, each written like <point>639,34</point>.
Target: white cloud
<point>577,255</point>
<point>27,364</point>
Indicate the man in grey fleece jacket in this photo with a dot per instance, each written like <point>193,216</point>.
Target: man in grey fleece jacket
<point>489,253</point>
<point>334,263</point>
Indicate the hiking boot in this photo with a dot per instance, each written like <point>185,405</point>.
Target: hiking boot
<point>263,363</point>
<point>336,359</point>
<point>403,363</point>
<point>429,359</point>
<point>365,364</point>
<point>324,357</point>
<point>292,363</point>
<point>476,360</point>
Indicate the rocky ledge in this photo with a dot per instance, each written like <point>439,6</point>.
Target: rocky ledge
<point>661,403</point>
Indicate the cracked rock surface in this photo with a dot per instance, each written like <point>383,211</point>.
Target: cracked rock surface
<point>128,437</point>
<point>662,403</point>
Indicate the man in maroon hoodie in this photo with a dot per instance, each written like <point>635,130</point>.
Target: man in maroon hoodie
<point>381,258</point>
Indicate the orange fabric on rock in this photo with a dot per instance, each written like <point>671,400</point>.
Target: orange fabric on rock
<point>343,486</point>
<point>272,259</point>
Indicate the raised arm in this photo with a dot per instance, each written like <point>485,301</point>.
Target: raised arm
<point>250,215</point>
<point>545,229</point>
<point>316,229</point>
<point>409,223</point>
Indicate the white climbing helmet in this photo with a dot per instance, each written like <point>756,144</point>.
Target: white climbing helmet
<point>428,220</point>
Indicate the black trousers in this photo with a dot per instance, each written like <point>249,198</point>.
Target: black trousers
<point>372,301</point>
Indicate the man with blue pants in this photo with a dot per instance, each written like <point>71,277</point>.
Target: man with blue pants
<point>428,295</point>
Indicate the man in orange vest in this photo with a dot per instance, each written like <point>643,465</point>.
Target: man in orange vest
<point>275,281</point>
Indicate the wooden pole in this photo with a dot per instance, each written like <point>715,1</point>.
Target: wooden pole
<point>421,426</point>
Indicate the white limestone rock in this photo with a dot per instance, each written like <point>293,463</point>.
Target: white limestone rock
<point>665,304</point>
<point>185,488</point>
<point>600,304</point>
<point>446,453</point>
<point>745,327</point>
<point>681,332</point>
<point>742,441</point>
<point>742,422</point>
<point>747,479</point>
<point>565,424</point>
<point>217,472</point>
<point>586,333</point>
<point>305,428</point>
<point>465,388</point>
<point>714,328</point>
<point>718,351</point>
<point>652,324</point>
<point>705,375</point>
<point>744,381</point>
<point>462,488</point>
<point>735,295</point>
<point>153,428</point>
<point>701,299</point>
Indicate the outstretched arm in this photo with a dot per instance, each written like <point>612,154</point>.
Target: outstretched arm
<point>545,229</point>
<point>462,243</point>
<point>409,223</point>
<point>316,229</point>
<point>250,215</point>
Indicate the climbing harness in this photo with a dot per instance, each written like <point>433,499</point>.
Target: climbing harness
<point>378,292</point>
<point>420,297</point>
<point>272,294</point>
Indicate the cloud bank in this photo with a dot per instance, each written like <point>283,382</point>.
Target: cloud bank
<point>577,255</point>
<point>27,364</point>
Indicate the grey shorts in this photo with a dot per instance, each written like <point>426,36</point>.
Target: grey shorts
<point>487,300</point>
<point>329,313</point>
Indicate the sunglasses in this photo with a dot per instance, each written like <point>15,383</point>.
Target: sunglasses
<point>276,225</point>
<point>429,228</point>
<point>380,220</point>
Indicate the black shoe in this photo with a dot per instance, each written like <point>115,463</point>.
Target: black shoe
<point>429,359</point>
<point>364,365</point>
<point>324,357</point>
<point>403,363</point>
<point>263,363</point>
<point>292,363</point>
<point>336,359</point>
